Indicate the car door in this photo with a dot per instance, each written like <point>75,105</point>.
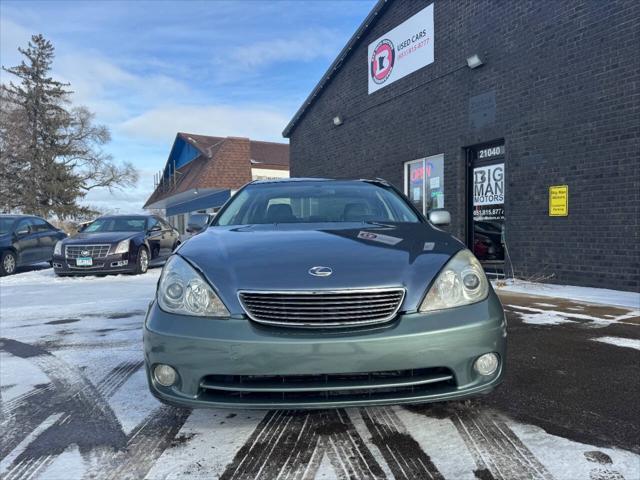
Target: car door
<point>47,239</point>
<point>154,237</point>
<point>169,238</point>
<point>26,242</point>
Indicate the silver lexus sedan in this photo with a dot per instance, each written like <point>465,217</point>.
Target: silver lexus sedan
<point>313,293</point>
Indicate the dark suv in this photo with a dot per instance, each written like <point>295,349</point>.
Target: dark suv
<point>26,240</point>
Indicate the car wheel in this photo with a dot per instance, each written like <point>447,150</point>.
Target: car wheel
<point>142,265</point>
<point>8,263</point>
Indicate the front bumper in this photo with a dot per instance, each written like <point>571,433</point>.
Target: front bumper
<point>234,362</point>
<point>114,263</point>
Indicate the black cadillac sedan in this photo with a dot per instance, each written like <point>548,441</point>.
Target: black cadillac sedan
<point>116,244</point>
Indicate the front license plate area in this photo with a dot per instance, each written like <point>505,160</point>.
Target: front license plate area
<point>84,261</point>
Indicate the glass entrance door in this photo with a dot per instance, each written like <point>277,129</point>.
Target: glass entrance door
<point>487,195</point>
<point>424,183</point>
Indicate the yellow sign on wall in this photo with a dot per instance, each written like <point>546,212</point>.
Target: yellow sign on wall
<point>558,200</point>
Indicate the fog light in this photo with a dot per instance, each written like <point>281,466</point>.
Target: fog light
<point>165,375</point>
<point>486,364</point>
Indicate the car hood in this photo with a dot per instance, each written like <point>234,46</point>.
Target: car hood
<point>87,238</point>
<point>278,257</point>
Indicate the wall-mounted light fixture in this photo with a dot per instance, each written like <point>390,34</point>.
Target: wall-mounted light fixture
<point>337,120</point>
<point>474,61</point>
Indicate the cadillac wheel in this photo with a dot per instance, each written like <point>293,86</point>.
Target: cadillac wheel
<point>143,260</point>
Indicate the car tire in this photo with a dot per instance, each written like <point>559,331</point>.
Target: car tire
<point>8,263</point>
<point>142,262</point>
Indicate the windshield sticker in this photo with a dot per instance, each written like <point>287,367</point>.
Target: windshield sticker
<point>376,237</point>
<point>428,246</point>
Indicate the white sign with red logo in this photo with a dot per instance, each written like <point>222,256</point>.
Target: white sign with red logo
<point>401,51</point>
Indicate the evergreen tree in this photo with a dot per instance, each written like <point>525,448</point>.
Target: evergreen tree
<point>51,152</point>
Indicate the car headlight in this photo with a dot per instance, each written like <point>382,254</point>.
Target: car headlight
<point>122,247</point>
<point>461,282</point>
<point>182,290</point>
<point>57,250</point>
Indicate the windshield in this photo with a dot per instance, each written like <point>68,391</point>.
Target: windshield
<point>6,225</point>
<point>117,224</point>
<point>316,202</point>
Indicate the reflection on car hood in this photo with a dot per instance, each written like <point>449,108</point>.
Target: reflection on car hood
<point>278,257</point>
<point>87,238</point>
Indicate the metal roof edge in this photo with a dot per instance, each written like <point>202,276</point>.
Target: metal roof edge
<point>337,63</point>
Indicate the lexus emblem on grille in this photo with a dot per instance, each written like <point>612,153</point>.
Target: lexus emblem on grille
<point>320,271</point>
<point>85,253</point>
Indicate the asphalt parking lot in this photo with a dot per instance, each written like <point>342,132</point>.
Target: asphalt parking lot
<point>74,402</point>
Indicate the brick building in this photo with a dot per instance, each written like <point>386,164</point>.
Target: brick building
<point>480,107</point>
<point>202,173</point>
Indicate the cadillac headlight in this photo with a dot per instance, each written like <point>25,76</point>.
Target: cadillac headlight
<point>122,247</point>
<point>57,250</point>
<point>182,290</point>
<point>461,282</point>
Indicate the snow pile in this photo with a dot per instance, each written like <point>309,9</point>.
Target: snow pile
<point>570,292</point>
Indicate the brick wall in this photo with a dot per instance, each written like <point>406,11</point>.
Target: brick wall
<point>566,79</point>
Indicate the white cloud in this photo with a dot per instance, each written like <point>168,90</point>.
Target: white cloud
<point>163,122</point>
<point>304,46</point>
<point>12,35</point>
<point>111,91</point>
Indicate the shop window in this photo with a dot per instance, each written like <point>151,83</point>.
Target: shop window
<point>181,228</point>
<point>424,183</point>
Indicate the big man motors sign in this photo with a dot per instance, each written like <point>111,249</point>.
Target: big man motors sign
<point>401,51</point>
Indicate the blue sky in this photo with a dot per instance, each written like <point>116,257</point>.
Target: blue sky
<point>150,69</point>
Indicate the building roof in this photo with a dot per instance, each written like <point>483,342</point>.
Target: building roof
<point>200,162</point>
<point>364,27</point>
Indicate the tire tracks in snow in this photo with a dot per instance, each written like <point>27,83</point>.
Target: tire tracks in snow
<point>88,421</point>
<point>496,450</point>
<point>292,445</point>
<point>406,459</point>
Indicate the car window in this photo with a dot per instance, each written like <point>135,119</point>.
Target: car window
<point>316,202</point>
<point>117,224</point>
<point>26,223</point>
<point>40,225</point>
<point>6,225</point>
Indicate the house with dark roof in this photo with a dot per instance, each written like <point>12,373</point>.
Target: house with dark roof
<point>203,172</point>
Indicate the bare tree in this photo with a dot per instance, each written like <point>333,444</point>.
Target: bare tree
<point>52,153</point>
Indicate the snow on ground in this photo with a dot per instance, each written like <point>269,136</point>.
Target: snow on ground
<point>553,316</point>
<point>75,404</point>
<point>570,292</point>
<point>544,318</point>
<point>620,342</point>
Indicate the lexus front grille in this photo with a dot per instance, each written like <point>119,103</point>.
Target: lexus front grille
<point>93,251</point>
<point>326,388</point>
<point>322,308</point>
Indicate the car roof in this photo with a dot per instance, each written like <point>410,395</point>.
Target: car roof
<point>313,179</point>
<point>17,216</point>
<point>133,215</point>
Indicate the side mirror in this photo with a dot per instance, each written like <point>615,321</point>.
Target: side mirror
<point>440,217</point>
<point>195,228</point>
